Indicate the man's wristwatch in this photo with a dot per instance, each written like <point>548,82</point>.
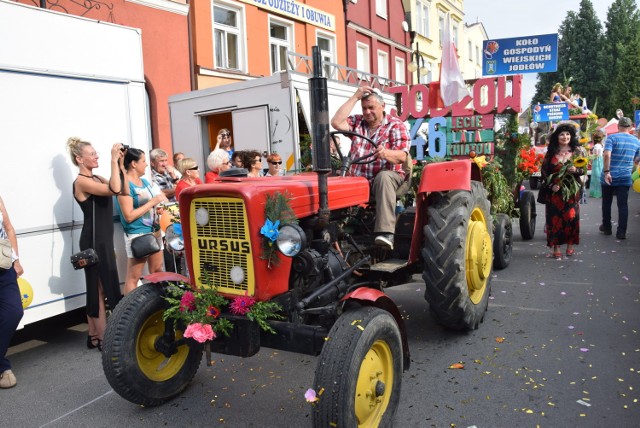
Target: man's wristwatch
<point>606,171</point>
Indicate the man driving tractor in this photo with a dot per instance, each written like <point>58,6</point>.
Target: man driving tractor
<point>385,172</point>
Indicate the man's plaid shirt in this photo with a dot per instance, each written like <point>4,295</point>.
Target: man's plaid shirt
<point>392,134</point>
<point>164,181</point>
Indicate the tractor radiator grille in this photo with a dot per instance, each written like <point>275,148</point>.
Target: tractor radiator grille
<point>221,244</point>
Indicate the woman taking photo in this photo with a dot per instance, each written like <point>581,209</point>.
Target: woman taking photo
<point>139,216</point>
<point>190,175</point>
<point>10,302</point>
<point>562,204</point>
<point>94,194</point>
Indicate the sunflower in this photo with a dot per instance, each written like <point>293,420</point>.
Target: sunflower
<point>580,162</point>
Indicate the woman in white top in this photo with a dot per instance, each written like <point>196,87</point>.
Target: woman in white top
<point>595,189</point>
<point>10,302</point>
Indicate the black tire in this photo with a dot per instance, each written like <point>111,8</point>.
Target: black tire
<point>533,182</point>
<point>458,294</point>
<point>132,365</point>
<point>528,214</point>
<point>361,342</point>
<point>502,241</point>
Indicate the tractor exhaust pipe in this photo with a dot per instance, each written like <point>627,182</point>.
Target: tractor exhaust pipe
<point>320,133</point>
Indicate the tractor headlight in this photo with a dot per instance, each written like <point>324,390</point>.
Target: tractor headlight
<point>173,237</point>
<point>237,275</point>
<point>291,240</point>
<point>202,216</point>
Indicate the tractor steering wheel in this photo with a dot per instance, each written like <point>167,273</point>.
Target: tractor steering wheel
<point>362,160</point>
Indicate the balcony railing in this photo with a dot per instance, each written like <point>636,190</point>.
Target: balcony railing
<point>302,64</point>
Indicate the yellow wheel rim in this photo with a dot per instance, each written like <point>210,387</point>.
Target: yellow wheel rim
<point>152,363</point>
<point>479,256</point>
<point>374,386</point>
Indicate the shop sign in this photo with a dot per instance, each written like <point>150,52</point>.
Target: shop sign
<point>298,11</point>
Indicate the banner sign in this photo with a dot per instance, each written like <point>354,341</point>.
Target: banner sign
<point>550,112</point>
<point>531,54</point>
<point>636,119</point>
<point>298,11</point>
<point>449,139</point>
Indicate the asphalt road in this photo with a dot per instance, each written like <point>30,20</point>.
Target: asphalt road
<point>559,347</point>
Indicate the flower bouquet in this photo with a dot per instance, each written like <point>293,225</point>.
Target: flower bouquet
<point>569,184</point>
<point>202,311</point>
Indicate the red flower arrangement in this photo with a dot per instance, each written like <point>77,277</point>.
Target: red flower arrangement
<point>530,162</point>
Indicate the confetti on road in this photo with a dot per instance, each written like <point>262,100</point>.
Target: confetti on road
<point>584,403</point>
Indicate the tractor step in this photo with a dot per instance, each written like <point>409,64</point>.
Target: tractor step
<point>389,266</point>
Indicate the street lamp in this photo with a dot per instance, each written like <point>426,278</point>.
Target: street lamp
<point>418,64</point>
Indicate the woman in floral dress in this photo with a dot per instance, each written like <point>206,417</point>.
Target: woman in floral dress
<point>562,206</point>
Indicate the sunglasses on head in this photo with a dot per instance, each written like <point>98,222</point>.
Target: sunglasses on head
<point>225,134</point>
<point>276,163</point>
<point>195,168</point>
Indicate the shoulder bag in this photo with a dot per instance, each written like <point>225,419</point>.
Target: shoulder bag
<point>6,259</point>
<point>88,257</point>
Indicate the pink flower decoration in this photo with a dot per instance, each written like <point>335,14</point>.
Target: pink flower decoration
<point>241,305</point>
<point>187,302</point>
<point>200,332</point>
<point>311,396</point>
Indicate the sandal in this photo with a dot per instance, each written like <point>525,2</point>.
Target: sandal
<point>571,253</point>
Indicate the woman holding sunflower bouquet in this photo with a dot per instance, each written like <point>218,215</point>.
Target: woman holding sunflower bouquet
<point>562,167</point>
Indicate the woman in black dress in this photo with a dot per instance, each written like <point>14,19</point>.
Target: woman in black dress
<point>91,191</point>
<point>562,212</point>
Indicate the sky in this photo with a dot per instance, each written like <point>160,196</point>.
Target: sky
<point>503,19</point>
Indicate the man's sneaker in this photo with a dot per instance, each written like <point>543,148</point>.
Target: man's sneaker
<point>7,379</point>
<point>604,230</point>
<point>385,240</point>
<point>620,235</point>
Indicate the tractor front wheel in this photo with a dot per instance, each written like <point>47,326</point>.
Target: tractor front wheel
<point>458,257</point>
<point>134,367</point>
<point>502,241</point>
<point>359,371</point>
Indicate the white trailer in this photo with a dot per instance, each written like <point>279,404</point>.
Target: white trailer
<point>61,76</point>
<point>264,114</point>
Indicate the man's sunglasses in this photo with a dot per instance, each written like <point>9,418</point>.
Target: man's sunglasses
<point>276,163</point>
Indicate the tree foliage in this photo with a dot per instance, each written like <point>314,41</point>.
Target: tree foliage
<point>601,66</point>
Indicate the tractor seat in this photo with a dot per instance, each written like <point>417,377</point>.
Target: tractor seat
<point>407,167</point>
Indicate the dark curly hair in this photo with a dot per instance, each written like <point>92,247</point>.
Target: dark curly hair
<point>554,145</point>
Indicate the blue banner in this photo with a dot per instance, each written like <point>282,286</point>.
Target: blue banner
<point>636,119</point>
<point>531,54</point>
<point>550,112</point>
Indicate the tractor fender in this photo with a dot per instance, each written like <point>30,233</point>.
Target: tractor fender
<point>164,277</point>
<point>372,297</point>
<point>452,175</point>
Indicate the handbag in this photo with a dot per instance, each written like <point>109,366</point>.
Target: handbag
<point>6,258</point>
<point>144,245</point>
<point>88,257</point>
<point>543,195</point>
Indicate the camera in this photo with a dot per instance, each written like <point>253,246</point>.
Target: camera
<point>124,147</point>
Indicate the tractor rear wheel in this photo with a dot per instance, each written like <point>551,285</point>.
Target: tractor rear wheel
<point>359,371</point>
<point>458,257</point>
<point>135,369</point>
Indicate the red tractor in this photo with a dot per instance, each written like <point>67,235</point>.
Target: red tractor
<point>329,276</point>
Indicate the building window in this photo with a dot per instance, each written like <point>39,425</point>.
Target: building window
<point>478,60</point>
<point>362,57</point>
<point>327,47</point>
<point>441,17</point>
<point>381,8</point>
<point>400,70</point>
<point>470,49</point>
<point>422,17</point>
<point>279,43</point>
<point>383,64</point>
<point>227,27</point>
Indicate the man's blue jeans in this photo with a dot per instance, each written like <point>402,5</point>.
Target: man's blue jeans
<point>622,197</point>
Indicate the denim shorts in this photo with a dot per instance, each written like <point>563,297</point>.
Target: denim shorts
<point>129,237</point>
